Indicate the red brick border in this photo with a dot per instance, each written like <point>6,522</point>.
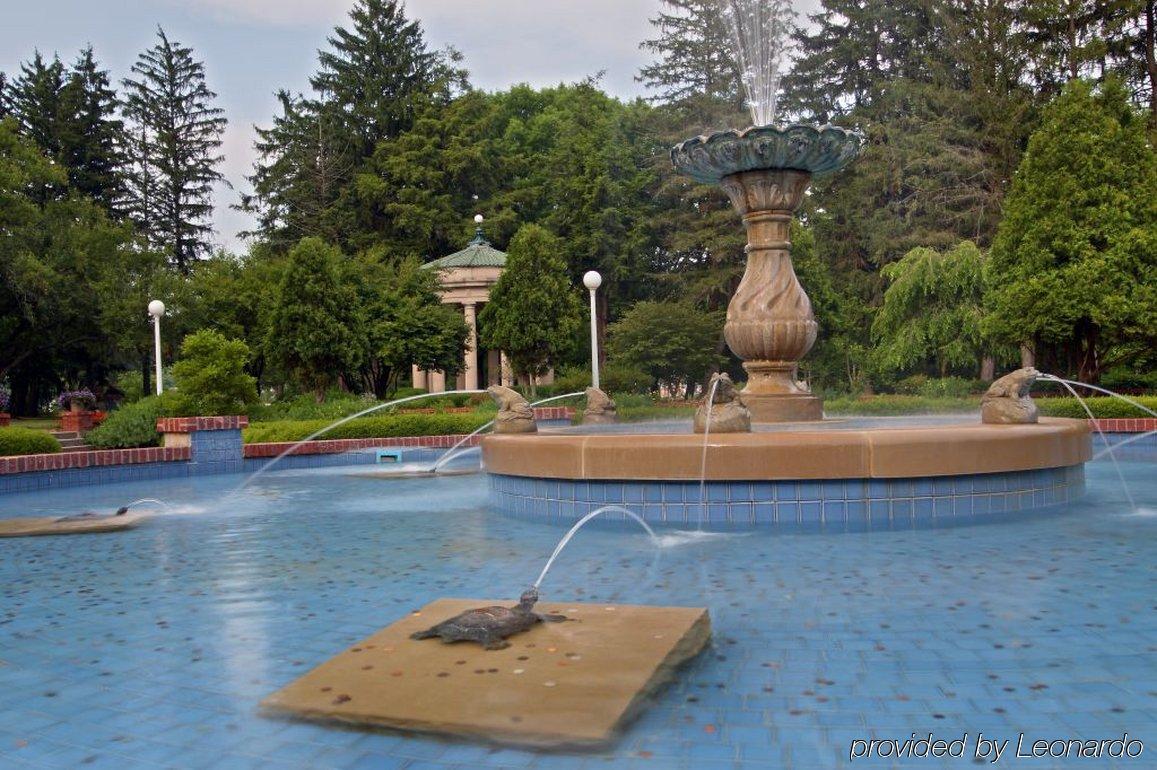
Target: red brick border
<point>191,424</point>
<point>65,460</point>
<point>1125,424</point>
<point>335,446</point>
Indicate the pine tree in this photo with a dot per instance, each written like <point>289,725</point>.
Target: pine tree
<point>694,54</point>
<point>91,135</point>
<point>371,85</point>
<point>379,72</point>
<point>35,100</point>
<point>853,48</point>
<point>175,134</point>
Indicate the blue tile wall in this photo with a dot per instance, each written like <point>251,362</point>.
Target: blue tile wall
<point>844,502</point>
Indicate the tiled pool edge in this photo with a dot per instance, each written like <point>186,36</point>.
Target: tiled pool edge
<point>842,502</point>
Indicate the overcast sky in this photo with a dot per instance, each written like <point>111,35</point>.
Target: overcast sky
<point>251,48</point>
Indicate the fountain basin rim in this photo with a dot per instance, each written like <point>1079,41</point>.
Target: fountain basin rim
<point>917,452</point>
<point>817,150</point>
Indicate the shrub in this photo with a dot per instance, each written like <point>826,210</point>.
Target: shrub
<point>211,376</point>
<point>135,424</point>
<point>622,379</point>
<point>911,385</point>
<point>386,426</point>
<point>24,441</point>
<point>950,387</point>
<point>1104,407</point>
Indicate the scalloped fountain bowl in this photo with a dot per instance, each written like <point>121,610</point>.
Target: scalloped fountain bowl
<point>817,150</point>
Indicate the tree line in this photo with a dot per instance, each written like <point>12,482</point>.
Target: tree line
<point>384,159</point>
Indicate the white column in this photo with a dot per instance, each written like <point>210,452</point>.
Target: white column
<point>471,367</point>
<point>420,378</point>
<point>437,381</point>
<point>507,372</point>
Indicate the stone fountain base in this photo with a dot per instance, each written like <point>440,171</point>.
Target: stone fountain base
<point>854,473</point>
<point>559,684</point>
<point>784,407</point>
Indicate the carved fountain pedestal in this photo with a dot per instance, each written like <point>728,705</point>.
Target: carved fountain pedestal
<point>770,323</point>
<point>765,170</point>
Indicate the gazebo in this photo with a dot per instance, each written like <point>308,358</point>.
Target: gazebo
<point>466,277</point>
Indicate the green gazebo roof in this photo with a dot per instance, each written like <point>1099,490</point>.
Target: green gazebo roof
<point>478,254</point>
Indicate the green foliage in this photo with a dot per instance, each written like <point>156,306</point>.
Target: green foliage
<point>694,55</point>
<point>336,405</point>
<point>1073,270</point>
<point>135,424</point>
<point>1103,407</point>
<point>898,405</point>
<point>25,441</point>
<point>312,329</point>
<point>386,426</point>
<point>674,343</point>
<point>404,323</point>
<point>533,313</point>
<point>210,375</point>
<point>932,310</point>
<point>175,136</point>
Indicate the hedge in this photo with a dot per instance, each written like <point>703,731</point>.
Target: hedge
<point>386,426</point>
<point>25,441</point>
<point>1101,406</point>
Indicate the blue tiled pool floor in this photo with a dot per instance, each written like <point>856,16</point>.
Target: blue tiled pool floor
<point>152,648</point>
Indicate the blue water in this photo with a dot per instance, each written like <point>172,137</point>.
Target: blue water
<point>151,648</point>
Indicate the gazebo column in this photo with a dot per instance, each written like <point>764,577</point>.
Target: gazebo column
<point>507,372</point>
<point>437,381</point>
<point>494,367</point>
<point>471,368</point>
<point>420,378</point>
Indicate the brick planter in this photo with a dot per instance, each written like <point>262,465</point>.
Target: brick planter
<point>76,421</point>
<point>5,419</point>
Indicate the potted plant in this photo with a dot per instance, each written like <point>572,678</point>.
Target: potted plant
<point>78,418</point>
<point>5,400</point>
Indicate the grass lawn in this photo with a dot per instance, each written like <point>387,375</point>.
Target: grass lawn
<point>36,423</point>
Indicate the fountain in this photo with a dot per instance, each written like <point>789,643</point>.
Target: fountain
<point>793,467</point>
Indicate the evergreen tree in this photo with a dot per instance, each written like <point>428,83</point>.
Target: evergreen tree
<point>373,82</point>
<point>35,100</point>
<point>694,55</point>
<point>673,342</point>
<point>92,136</point>
<point>175,135</point>
<point>1074,266</point>
<point>533,313</point>
<point>313,332</point>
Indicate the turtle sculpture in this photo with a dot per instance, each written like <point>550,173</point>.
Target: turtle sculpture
<point>489,626</point>
<point>90,515</point>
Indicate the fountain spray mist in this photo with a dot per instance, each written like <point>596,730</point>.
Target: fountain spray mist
<point>760,37</point>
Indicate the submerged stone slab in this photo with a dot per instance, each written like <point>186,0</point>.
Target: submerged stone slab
<point>559,684</point>
<point>52,525</point>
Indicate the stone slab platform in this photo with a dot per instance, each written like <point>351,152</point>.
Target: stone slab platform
<point>51,525</point>
<point>559,684</point>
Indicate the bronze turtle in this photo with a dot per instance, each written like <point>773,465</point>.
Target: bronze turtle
<point>489,626</point>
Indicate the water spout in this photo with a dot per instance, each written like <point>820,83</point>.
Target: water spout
<point>1097,425</point>
<point>759,32</point>
<point>450,453</point>
<point>703,459</point>
<point>265,468</point>
<point>579,525</point>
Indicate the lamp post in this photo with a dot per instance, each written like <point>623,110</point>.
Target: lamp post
<point>156,310</point>
<point>592,280</point>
